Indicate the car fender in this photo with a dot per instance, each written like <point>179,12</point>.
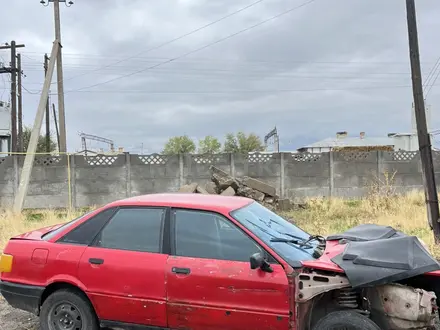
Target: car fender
<point>69,279</point>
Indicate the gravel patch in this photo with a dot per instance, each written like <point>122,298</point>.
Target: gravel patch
<point>13,319</point>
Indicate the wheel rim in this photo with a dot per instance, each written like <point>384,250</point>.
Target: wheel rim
<point>65,316</point>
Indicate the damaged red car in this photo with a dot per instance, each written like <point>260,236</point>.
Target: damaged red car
<point>193,261</point>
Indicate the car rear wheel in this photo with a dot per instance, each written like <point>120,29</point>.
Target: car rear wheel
<point>345,320</point>
<point>67,310</point>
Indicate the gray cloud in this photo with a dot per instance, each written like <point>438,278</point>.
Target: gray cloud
<point>320,69</point>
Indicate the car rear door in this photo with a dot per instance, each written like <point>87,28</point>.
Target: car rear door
<point>210,284</point>
<point>124,268</point>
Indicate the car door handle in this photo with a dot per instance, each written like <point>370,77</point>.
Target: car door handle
<point>95,261</point>
<point>178,270</point>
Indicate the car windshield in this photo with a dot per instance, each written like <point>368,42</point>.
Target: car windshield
<point>275,231</point>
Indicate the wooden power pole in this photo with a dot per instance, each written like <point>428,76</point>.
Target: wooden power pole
<point>422,127</point>
<point>46,63</point>
<point>20,105</point>
<point>13,70</point>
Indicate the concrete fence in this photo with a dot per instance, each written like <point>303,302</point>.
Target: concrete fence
<point>78,181</point>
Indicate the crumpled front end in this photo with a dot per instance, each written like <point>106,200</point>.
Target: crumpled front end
<point>398,306</point>
<point>391,306</point>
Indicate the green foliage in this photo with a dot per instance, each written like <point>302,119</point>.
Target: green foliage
<point>209,145</point>
<point>242,143</point>
<point>179,145</point>
<point>41,145</point>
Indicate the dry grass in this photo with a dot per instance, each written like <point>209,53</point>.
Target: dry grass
<point>12,224</point>
<point>405,212</point>
<point>321,216</point>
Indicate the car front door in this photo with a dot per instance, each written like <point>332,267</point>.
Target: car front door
<point>210,284</point>
<point>124,268</point>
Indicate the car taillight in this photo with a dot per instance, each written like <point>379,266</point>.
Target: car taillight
<point>6,263</point>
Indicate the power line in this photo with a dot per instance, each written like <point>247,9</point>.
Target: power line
<point>198,49</point>
<point>200,59</point>
<point>431,74</point>
<point>178,38</point>
<point>238,91</point>
<point>433,83</point>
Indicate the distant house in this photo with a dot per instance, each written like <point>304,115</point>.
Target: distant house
<point>342,142</point>
<point>5,128</point>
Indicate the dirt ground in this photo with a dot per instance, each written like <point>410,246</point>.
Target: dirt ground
<point>12,319</point>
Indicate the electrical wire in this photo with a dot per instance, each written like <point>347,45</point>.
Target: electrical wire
<point>197,49</point>
<point>238,91</point>
<point>176,39</point>
<point>431,74</point>
<point>433,83</point>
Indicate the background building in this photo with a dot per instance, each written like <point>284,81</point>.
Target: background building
<point>5,128</point>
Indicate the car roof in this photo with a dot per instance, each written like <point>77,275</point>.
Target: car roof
<point>216,203</point>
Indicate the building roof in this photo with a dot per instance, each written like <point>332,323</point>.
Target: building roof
<point>351,142</point>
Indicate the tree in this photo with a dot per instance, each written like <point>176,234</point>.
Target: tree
<point>179,145</point>
<point>209,145</point>
<point>41,145</point>
<point>242,143</point>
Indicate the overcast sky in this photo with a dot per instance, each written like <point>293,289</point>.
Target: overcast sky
<point>324,67</point>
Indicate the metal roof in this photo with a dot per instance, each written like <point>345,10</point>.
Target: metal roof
<point>351,142</point>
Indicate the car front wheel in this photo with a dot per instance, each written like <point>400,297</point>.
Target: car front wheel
<point>345,320</point>
<point>67,310</point>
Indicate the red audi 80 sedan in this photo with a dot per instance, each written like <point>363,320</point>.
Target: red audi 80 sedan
<point>193,261</point>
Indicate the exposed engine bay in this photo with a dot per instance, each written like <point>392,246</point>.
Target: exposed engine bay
<point>384,279</point>
<point>392,306</point>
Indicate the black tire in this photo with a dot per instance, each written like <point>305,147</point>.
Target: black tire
<point>347,320</point>
<point>68,306</point>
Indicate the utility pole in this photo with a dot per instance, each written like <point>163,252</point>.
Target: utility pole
<point>46,63</point>
<point>422,127</point>
<point>60,79</point>
<point>13,69</point>
<point>56,125</point>
<point>33,141</point>
<point>20,105</point>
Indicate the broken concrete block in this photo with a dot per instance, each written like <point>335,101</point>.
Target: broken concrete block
<point>217,170</point>
<point>269,200</point>
<point>228,192</point>
<point>201,190</point>
<point>224,182</point>
<point>257,195</point>
<point>284,204</point>
<point>211,188</point>
<point>244,191</point>
<point>189,188</point>
<point>260,186</point>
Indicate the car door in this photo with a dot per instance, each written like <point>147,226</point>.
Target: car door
<point>124,268</point>
<point>210,284</point>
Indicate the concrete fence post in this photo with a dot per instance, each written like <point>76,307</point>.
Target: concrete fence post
<point>331,175</point>
<point>16,174</point>
<point>72,180</point>
<point>127,174</point>
<point>282,176</point>
<point>181,172</point>
<point>232,164</point>
<point>379,168</point>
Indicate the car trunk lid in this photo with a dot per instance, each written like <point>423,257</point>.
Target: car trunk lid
<point>36,234</point>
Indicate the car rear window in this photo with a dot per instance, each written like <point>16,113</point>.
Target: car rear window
<point>67,225</point>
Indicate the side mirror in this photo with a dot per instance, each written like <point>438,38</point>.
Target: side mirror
<point>257,261</point>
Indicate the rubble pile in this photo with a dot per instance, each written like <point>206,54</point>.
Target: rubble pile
<point>224,184</point>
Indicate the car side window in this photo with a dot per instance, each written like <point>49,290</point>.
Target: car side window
<point>208,235</point>
<point>87,231</point>
<point>133,229</point>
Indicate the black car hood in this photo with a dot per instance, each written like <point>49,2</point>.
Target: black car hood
<point>376,255</point>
